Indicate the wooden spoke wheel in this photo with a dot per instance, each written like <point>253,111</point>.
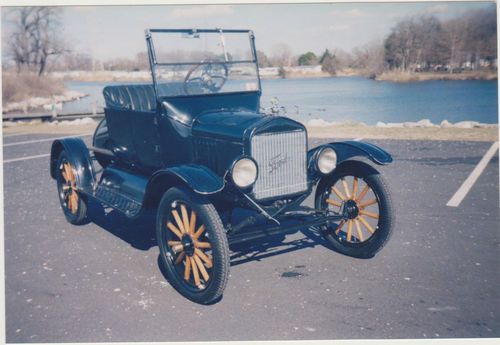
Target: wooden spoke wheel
<point>193,245</point>
<point>358,193</point>
<point>73,205</point>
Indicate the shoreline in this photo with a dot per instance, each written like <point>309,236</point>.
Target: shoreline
<point>48,104</point>
<point>334,131</point>
<point>389,76</point>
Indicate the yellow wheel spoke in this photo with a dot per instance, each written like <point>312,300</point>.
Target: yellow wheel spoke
<point>354,187</point>
<point>192,223</point>
<point>187,268</point>
<point>362,194</point>
<point>202,269</point>
<point>339,194</point>
<point>178,221</point>
<point>204,257</point>
<point>69,171</point>
<point>68,202</point>
<point>365,223</point>
<point>185,218</point>
<point>358,228</point>
<point>180,257</point>
<point>349,230</point>
<point>178,248</point>
<point>196,275</point>
<point>65,176</point>
<point>174,230</point>
<point>341,224</point>
<point>333,202</point>
<point>368,214</point>
<point>346,189</point>
<point>74,201</point>
<point>66,171</point>
<point>367,203</point>
<point>199,244</point>
<point>199,232</point>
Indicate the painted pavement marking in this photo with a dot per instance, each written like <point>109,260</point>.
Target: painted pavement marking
<point>460,194</point>
<point>25,158</point>
<point>46,139</point>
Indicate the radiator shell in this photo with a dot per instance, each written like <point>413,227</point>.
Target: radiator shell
<point>282,161</point>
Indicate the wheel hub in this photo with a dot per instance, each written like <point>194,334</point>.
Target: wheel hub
<point>188,245</point>
<point>351,209</point>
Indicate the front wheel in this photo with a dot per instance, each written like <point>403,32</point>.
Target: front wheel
<point>193,245</point>
<point>357,192</point>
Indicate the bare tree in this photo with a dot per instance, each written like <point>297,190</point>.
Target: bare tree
<point>368,59</point>
<point>35,38</point>
<point>455,31</point>
<point>281,55</point>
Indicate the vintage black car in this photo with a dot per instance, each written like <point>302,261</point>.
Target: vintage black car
<point>195,145</point>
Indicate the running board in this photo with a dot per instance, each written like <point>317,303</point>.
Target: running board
<point>115,199</point>
<point>121,190</point>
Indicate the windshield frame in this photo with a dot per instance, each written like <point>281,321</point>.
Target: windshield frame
<point>153,61</point>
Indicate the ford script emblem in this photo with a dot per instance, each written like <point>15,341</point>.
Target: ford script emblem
<point>276,162</point>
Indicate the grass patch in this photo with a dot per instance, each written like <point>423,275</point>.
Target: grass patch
<point>399,76</point>
<point>23,86</point>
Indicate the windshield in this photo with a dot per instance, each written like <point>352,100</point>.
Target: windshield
<point>194,62</point>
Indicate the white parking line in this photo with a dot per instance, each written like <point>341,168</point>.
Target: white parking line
<point>14,135</point>
<point>357,139</point>
<point>46,139</point>
<point>460,194</point>
<point>25,158</point>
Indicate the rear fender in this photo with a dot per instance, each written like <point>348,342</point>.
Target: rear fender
<point>79,158</point>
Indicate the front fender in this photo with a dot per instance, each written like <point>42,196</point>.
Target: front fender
<point>200,179</point>
<point>348,149</point>
<point>79,157</point>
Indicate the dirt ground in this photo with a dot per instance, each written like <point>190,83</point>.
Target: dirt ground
<point>372,132</point>
<point>333,131</point>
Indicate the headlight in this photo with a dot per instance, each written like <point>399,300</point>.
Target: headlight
<point>327,160</point>
<point>244,172</point>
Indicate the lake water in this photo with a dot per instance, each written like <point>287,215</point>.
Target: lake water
<point>357,99</point>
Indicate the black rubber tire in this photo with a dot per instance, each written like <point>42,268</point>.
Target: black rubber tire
<point>217,237</point>
<point>372,177</point>
<point>80,216</point>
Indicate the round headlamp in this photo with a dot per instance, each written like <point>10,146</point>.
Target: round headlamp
<point>244,172</point>
<point>327,160</point>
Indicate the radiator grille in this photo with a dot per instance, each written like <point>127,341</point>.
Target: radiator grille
<point>281,158</point>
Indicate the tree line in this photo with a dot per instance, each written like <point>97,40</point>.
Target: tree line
<point>417,43</point>
<point>424,43</point>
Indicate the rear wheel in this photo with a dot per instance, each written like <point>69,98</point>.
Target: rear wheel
<point>193,245</point>
<point>361,196</point>
<point>72,203</point>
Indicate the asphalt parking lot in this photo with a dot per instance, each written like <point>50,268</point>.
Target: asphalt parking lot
<point>438,277</point>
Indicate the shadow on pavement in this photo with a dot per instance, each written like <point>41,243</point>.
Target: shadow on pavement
<point>140,234</point>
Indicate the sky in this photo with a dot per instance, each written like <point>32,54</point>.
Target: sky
<point>108,32</point>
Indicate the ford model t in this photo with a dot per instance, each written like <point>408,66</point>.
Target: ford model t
<point>194,145</point>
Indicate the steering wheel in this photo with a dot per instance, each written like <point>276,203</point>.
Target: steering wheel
<point>212,76</point>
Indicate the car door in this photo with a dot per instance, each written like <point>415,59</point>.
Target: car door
<point>146,139</point>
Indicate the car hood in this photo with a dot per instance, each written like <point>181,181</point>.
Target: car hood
<point>228,125</point>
